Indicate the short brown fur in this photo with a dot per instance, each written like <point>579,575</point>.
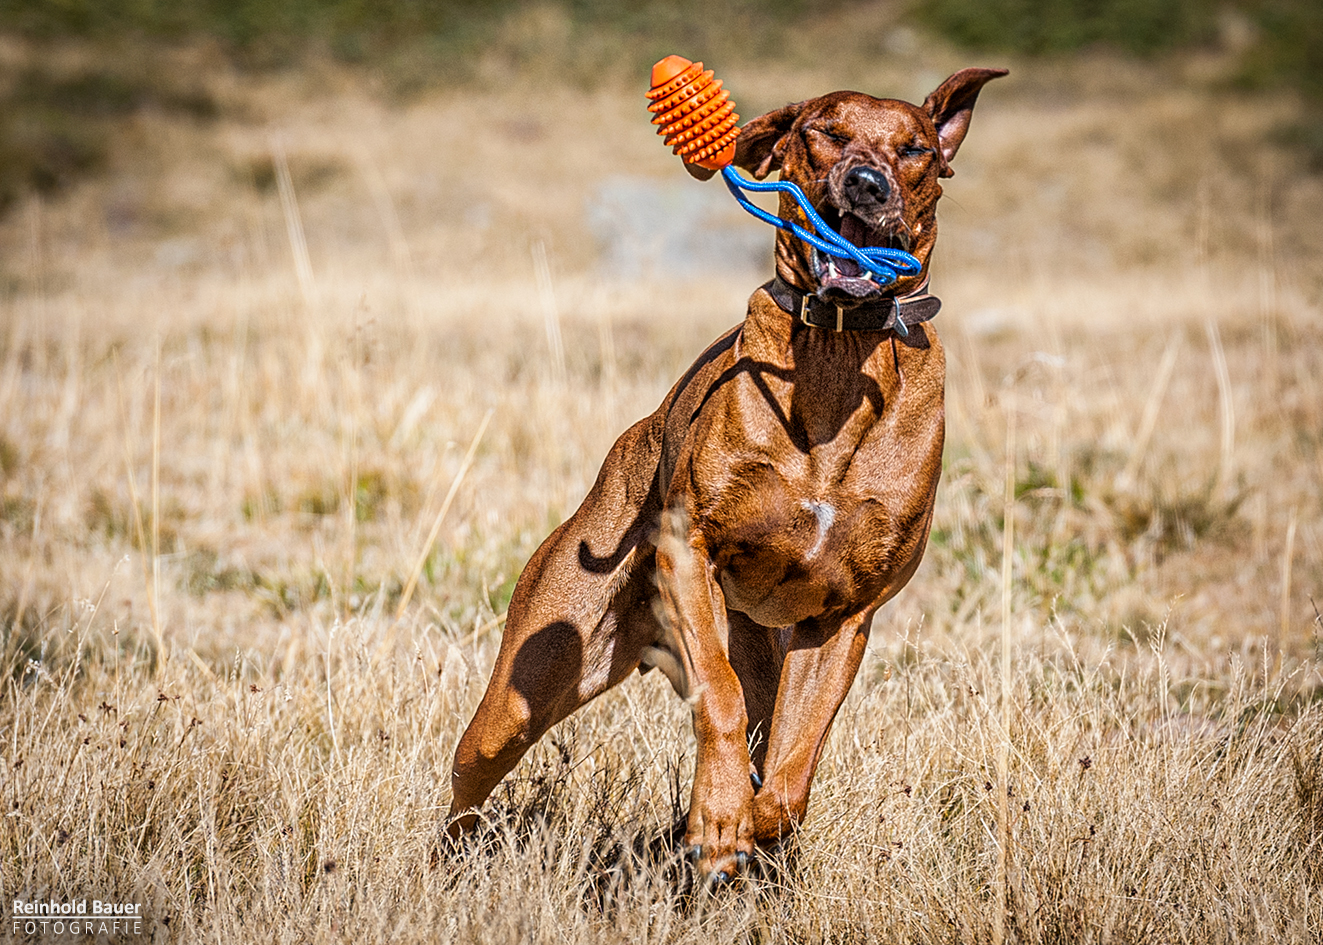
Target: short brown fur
<point>742,536</point>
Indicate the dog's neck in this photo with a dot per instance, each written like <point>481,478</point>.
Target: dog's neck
<point>880,314</point>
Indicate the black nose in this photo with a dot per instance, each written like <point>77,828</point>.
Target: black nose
<point>865,185</point>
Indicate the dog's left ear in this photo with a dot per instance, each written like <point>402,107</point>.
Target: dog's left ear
<point>759,148</point>
<point>950,106</point>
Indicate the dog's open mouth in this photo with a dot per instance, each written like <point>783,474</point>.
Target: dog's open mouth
<point>845,277</point>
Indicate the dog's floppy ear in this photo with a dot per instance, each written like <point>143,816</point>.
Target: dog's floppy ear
<point>950,106</point>
<point>758,148</point>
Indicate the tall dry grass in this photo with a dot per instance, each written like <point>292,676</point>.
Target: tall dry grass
<point>240,375</point>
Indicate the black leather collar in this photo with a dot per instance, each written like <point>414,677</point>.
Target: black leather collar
<point>878,315</point>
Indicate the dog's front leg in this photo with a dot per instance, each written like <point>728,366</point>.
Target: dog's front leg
<point>821,663</point>
<point>720,831</point>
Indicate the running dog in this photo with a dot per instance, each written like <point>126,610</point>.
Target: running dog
<point>742,536</point>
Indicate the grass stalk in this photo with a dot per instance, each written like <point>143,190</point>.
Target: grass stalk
<point>1004,739</point>
<point>546,287</point>
<point>289,206</point>
<point>140,531</point>
<point>1284,621</point>
<point>1227,411</point>
<point>435,530</point>
<point>1152,410</point>
<point>156,505</point>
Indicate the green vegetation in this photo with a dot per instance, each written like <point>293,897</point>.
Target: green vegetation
<point>1279,43</point>
<point>1291,46</point>
<point>1283,39</point>
<point>1049,26</point>
<point>54,128</point>
<point>1286,36</point>
<point>355,29</point>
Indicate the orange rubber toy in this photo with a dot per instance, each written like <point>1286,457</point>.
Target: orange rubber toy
<point>694,113</point>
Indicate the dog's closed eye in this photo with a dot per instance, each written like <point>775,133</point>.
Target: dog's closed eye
<point>831,135</point>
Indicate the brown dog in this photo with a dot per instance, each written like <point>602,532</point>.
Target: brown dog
<point>742,537</point>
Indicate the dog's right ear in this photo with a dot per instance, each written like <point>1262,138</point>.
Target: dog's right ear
<point>950,106</point>
<point>759,147</point>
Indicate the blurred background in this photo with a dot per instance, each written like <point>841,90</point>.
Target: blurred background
<point>74,68</point>
<point>264,268</point>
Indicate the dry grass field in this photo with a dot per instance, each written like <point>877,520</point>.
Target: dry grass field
<point>248,369</point>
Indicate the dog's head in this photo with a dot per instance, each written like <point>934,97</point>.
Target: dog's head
<point>871,167</point>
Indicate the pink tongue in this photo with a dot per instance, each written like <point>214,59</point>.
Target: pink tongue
<point>854,229</point>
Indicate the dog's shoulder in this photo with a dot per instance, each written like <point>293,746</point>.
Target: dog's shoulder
<point>706,368</point>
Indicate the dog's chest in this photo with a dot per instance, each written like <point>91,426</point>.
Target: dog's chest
<point>785,552</point>
<point>812,476</point>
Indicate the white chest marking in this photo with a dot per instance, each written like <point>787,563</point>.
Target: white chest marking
<point>825,514</point>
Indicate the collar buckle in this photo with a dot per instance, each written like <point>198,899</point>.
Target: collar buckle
<point>805,301</point>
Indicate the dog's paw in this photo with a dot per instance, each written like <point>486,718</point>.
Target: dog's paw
<point>720,838</point>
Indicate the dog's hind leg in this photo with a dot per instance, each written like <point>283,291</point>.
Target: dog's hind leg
<point>551,662</point>
<point>534,685</point>
<point>579,618</point>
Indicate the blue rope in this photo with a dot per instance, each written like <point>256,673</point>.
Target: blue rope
<point>887,264</point>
